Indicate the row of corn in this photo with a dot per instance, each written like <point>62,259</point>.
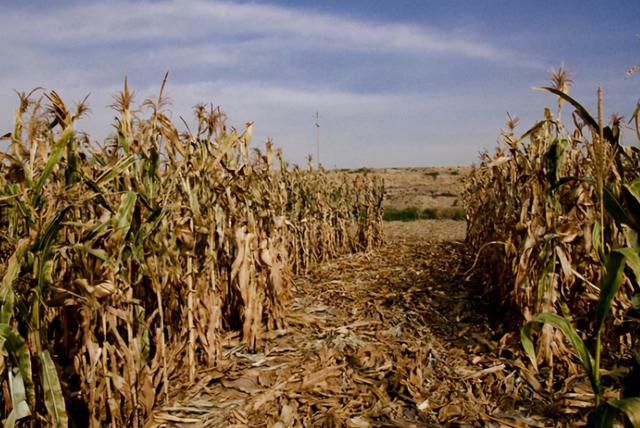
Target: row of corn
<point>538,230</point>
<point>122,263</point>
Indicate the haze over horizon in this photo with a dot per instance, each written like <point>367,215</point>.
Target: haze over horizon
<point>413,84</point>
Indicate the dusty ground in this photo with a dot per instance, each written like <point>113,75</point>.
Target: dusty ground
<point>391,338</point>
<point>396,337</point>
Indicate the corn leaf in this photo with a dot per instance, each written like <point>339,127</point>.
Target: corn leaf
<point>630,407</point>
<point>6,287</point>
<point>597,241</point>
<point>122,219</point>
<point>115,171</point>
<point>18,400</point>
<point>44,246</point>
<point>614,269</point>
<point>570,334</point>
<point>16,345</point>
<point>100,199</point>
<point>616,210</point>
<point>527,344</point>
<point>53,398</point>
<point>631,195</point>
<point>586,116</point>
<point>603,416</point>
<point>63,140</point>
<point>633,260</point>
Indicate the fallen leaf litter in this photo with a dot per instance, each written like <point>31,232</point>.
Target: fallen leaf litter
<point>389,338</point>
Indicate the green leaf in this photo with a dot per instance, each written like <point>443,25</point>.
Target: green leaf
<point>586,116</point>
<point>53,398</point>
<point>571,335</point>
<point>614,269</point>
<point>16,346</point>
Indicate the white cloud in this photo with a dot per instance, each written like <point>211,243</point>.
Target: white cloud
<point>235,54</point>
<point>95,24</point>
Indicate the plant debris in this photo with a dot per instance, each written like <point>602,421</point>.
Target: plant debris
<point>387,338</point>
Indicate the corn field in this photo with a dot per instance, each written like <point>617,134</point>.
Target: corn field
<point>539,234</point>
<point>125,264</point>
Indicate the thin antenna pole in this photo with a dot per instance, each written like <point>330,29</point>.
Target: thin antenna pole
<point>317,117</point>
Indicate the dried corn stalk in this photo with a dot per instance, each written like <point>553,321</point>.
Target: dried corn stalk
<point>122,263</point>
<point>531,208</point>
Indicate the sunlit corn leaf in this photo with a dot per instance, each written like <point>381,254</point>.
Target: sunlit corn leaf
<point>18,400</point>
<point>53,398</point>
<point>64,139</point>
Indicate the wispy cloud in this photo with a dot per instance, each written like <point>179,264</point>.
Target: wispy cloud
<point>97,24</point>
<point>389,92</point>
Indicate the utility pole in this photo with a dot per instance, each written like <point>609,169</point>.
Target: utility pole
<point>317,118</point>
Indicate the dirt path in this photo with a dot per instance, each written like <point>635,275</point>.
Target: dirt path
<point>390,338</point>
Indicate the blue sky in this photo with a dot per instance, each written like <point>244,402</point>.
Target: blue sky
<point>397,83</point>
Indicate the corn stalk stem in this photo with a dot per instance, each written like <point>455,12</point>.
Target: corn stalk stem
<point>600,168</point>
<point>192,333</point>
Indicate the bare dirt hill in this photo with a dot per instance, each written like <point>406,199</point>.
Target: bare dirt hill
<point>429,187</point>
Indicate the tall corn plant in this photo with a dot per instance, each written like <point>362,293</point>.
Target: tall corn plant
<point>543,255</point>
<point>621,203</point>
<point>123,261</point>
